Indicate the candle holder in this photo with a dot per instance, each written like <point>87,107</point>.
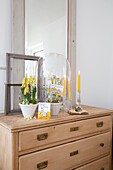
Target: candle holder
<point>67,104</point>
<point>78,110</point>
<point>78,98</point>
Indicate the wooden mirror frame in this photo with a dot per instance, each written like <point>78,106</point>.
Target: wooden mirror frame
<point>18,35</point>
<point>8,84</point>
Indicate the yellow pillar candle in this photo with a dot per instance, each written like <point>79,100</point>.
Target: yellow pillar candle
<point>79,80</point>
<point>68,89</point>
<point>71,90</point>
<point>64,87</point>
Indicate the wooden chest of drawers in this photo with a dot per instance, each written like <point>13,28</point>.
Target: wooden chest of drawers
<point>81,142</point>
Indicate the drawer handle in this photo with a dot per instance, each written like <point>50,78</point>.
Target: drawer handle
<point>101,144</point>
<point>42,136</point>
<point>74,129</point>
<point>102,169</point>
<point>74,153</point>
<point>99,124</point>
<point>42,165</point>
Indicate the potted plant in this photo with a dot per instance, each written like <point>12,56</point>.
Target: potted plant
<point>28,103</point>
<point>54,94</point>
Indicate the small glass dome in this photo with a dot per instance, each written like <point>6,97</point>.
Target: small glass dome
<point>55,83</point>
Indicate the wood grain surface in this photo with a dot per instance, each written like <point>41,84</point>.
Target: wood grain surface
<point>16,122</point>
<point>62,132</point>
<point>62,157</point>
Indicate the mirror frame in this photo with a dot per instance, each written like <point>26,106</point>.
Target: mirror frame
<point>18,35</point>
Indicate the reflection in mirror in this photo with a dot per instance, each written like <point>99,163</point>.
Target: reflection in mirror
<point>30,69</point>
<point>45,27</point>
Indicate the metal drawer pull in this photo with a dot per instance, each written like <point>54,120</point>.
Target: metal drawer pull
<point>99,124</point>
<point>101,144</point>
<point>74,153</point>
<point>102,169</point>
<point>74,129</point>
<point>42,136</point>
<point>42,165</point>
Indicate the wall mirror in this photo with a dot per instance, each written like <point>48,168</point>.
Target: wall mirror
<point>48,26</point>
<point>45,31</point>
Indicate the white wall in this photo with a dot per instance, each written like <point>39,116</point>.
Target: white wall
<point>5,44</point>
<point>95,51</point>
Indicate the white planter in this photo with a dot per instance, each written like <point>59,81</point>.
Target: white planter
<point>28,110</point>
<point>55,108</point>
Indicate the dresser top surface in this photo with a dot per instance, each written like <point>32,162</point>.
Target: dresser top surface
<point>15,123</point>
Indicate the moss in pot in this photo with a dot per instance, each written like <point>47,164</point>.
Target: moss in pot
<point>54,95</point>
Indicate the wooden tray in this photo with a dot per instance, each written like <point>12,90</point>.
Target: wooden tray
<point>73,112</point>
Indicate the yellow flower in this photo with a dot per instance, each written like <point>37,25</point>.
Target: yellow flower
<point>25,82</point>
<point>26,90</point>
<point>32,81</point>
<point>48,115</point>
<point>34,117</point>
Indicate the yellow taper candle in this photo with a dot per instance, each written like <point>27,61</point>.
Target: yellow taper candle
<point>79,80</point>
<point>64,87</point>
<point>68,88</point>
<point>71,90</point>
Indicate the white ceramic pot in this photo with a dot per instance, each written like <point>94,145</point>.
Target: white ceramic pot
<point>55,108</point>
<point>28,110</point>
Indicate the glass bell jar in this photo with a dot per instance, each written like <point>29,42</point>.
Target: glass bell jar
<point>54,82</point>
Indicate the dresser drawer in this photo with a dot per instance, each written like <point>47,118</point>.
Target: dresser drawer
<point>68,155</point>
<point>48,136</point>
<point>101,164</point>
